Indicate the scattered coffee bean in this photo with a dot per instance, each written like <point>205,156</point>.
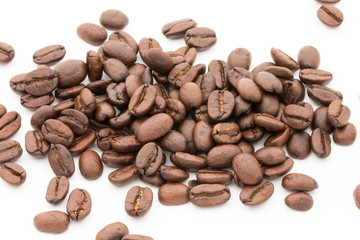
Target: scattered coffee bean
<point>116,230</point>
<point>345,135</point>
<point>123,175</point>
<point>90,165</point>
<point>209,195</point>
<point>258,194</point>
<point>247,169</point>
<point>330,15</point>
<point>320,143</point>
<point>61,160</point>
<point>138,201</point>
<point>201,38</point>
<point>113,19</point>
<point>52,222</point>
<point>300,201</point>
<point>10,123</point>
<point>309,57</point>
<point>173,194</point>
<point>49,55</point>
<point>79,204</point>
<point>299,145</point>
<point>57,189</point>
<point>7,53</point>
<point>10,150</point>
<point>92,33</point>
<point>299,182</point>
<point>35,144</point>
<point>178,28</point>
<point>13,173</point>
<point>338,114</point>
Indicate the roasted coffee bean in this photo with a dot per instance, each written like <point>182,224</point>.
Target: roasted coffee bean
<point>201,114</point>
<point>126,144</point>
<point>279,170</point>
<point>345,135</point>
<point>323,95</point>
<point>76,120</point>
<point>225,133</point>
<point>99,87</point>
<point>114,159</point>
<point>193,183</point>
<point>220,69</point>
<point>299,182</point>
<point>297,117</point>
<point>330,15</point>
<point>138,201</point>
<point>120,51</point>
<point>294,92</point>
<point>203,140</point>
<point>282,59</point>
<point>49,55</point>
<point>66,104</point>
<point>103,112</point>
<point>173,174</point>
<point>159,106</point>
<point>34,103</point>
<point>280,72</point>
<point>142,100</point>
<point>201,38</point>
<point>241,106</point>
<point>300,201</point>
<point>189,53</point>
<point>71,73</point>
<point>190,95</point>
<point>161,91</point>
<point>2,110</point>
<point>320,143</point>
<point>181,74</point>
<point>261,67</point>
<point>258,194</point>
<point>209,195</point>
<point>61,161</point>
<point>13,174</point>
<point>206,83</point>
<point>281,110</point>
<point>175,109</point>
<point>309,57</point>
<point>178,28</point>
<point>210,176</point>
<point>173,194</point>
<point>113,19</point>
<point>116,70</point>
<point>92,33</point>
<point>240,57</point>
<point>117,95</point>
<point>79,204</point>
<point>122,120</point>
<point>236,73</point>
<point>268,83</point>
<point>70,92</point>
<point>132,82</point>
<point>248,90</point>
<point>123,175</point>
<point>35,144</point>
<point>247,169</point>
<point>10,123</point>
<point>90,165</point>
<point>221,156</point>
<point>85,102</point>
<point>136,237</point>
<point>158,60</point>
<point>148,159</point>
<point>57,189</point>
<point>106,135</point>
<point>253,134</point>
<point>7,53</point>
<point>174,141</point>
<point>270,155</point>
<point>146,44</point>
<point>356,195</point>
<point>102,54</point>
<point>246,147</point>
<point>154,127</point>
<point>269,104</point>
<point>220,105</point>
<point>315,76</point>
<point>186,127</point>
<point>299,145</point>
<point>246,121</point>
<point>268,122</point>
<point>155,179</point>
<point>10,150</point>
<point>278,139</point>
<point>125,38</point>
<point>94,65</point>
<point>52,222</point>
<point>320,120</point>
<point>17,83</point>
<point>83,142</point>
<point>188,161</point>
<point>55,131</point>
<point>338,114</point>
<point>116,230</point>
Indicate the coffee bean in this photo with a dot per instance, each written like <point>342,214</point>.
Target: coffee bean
<point>330,15</point>
<point>142,100</point>
<point>122,120</point>
<point>90,165</point>
<point>268,122</point>
<point>294,92</point>
<point>116,92</point>
<point>299,182</point>
<point>148,159</point>
<point>103,112</point>
<point>201,114</point>
<point>211,176</point>
<point>113,19</point>
<point>356,195</point>
<point>132,82</point>
<point>315,76</point>
<point>241,106</point>
<point>35,144</point>
<point>155,179</point>
<point>246,147</point>
<point>121,51</point>
<point>154,127</point>
<point>71,73</point>
<point>240,57</point>
<point>10,123</point>
<point>206,83</point>
<point>298,145</point>
<point>70,92</point>
<point>126,144</point>
<point>220,105</point>
<point>176,109</point>
<point>57,189</point>
<point>13,174</point>
<point>247,169</point>
<point>282,59</point>
<point>279,170</point>
<point>309,57</point>
<point>7,53</point>
<point>94,65</point>
<point>2,110</point>
<point>66,104</point>
<point>209,195</point>
<point>269,104</point>
<point>123,175</point>
<point>173,174</point>
<point>136,237</point>
<point>85,102</point>
<point>49,55</point>
<point>173,194</point>
<point>220,69</point>
<point>146,44</point>
<point>76,120</point>
<point>320,120</point>
<point>181,74</point>
<point>345,135</point>
<point>191,95</point>
<point>125,38</point>
<point>106,135</point>
<point>258,194</point>
<point>261,67</point>
<point>114,159</point>
<point>203,140</point>
<point>178,28</point>
<point>236,73</point>
<point>17,83</point>
<point>300,201</point>
<point>92,33</point>
<point>186,127</point>
<point>248,90</point>
<point>116,70</point>
<point>83,142</point>
<point>278,139</point>
<point>253,134</point>
<point>116,230</point>
<point>268,82</point>
<point>225,133</point>
<point>280,72</point>
<point>189,53</point>
<point>55,131</point>
<point>221,156</point>
<point>138,201</point>
<point>297,117</point>
<point>34,103</point>
<point>338,114</point>
<point>61,161</point>
<point>79,204</point>
<point>10,150</point>
<point>270,155</point>
<point>52,222</point>
<point>320,143</point>
<point>174,141</point>
<point>201,38</point>
<point>188,161</point>
<point>323,95</point>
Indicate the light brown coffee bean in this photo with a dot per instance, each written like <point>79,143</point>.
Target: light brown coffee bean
<point>300,201</point>
<point>49,55</point>
<point>177,29</point>
<point>330,15</point>
<point>309,57</point>
<point>79,204</point>
<point>221,156</point>
<point>247,169</point>
<point>258,194</point>
<point>320,143</point>
<point>338,114</point>
<point>315,76</point>
<point>211,176</point>
<point>10,150</point>
<point>299,182</point>
<point>201,38</point>
<point>209,195</point>
<point>282,59</point>
<point>92,33</point>
<point>116,230</point>
<point>345,135</point>
<point>113,19</point>
<point>10,123</point>
<point>270,155</point>
<point>188,161</point>
<point>279,170</point>
<point>124,175</point>
<point>52,222</point>
<point>173,194</point>
<point>138,201</point>
<point>7,53</point>
<point>57,189</point>
<point>13,173</point>
<point>356,195</point>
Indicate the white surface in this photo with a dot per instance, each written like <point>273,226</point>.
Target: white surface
<point>255,25</point>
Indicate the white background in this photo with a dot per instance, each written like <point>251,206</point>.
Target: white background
<point>255,25</point>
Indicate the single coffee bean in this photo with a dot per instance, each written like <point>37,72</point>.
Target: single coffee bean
<point>142,100</point>
<point>116,92</point>
<point>356,195</point>
<point>92,33</point>
<point>338,114</point>
<point>221,156</point>
<point>17,83</point>
<point>13,173</point>
<point>315,76</point>
<point>2,110</point>
<point>52,222</point>
<point>236,73</point>
<point>113,19</point>
<point>94,65</point>
<point>320,143</point>
<point>201,114</point>
<point>173,174</point>
<point>280,72</point>
<point>186,127</point>
<point>10,123</point>
<point>136,237</point>
<point>330,15</point>
<point>76,120</point>
<point>294,92</point>
<point>122,120</point>
<point>320,120</point>
<point>258,194</point>
<point>90,165</point>
<point>220,105</point>
<point>300,201</point>
<point>299,145</point>
<point>268,83</point>
<point>174,141</point>
<point>193,183</point>
<point>123,175</point>
<point>66,104</point>
<point>173,194</point>
<point>10,150</point>
<point>116,230</point>
<point>209,195</point>
<point>345,135</point>
<point>268,122</point>
<point>297,117</point>
<point>176,109</point>
<point>188,161</point>
<point>155,179</point>
<point>35,144</point>
<point>309,57</point>
<point>79,204</point>
<point>240,57</point>
<point>126,144</point>
<point>278,139</point>
<point>61,160</point>
<point>190,95</point>
<point>49,55</point>
<point>178,28</point>
<point>282,59</point>
<point>206,83</point>
<point>220,69</point>
<point>226,133</point>
<point>85,102</point>
<point>181,74</point>
<point>146,44</point>
<point>247,169</point>
<point>114,159</point>
<point>246,121</point>
<point>106,135</point>
<point>154,127</point>
<point>138,201</point>
<point>261,67</point>
<point>299,182</point>
<point>103,112</point>
<point>203,140</point>
<point>201,38</point>
<point>323,95</point>
<point>211,176</point>
<point>116,70</point>
<point>253,134</point>
<point>248,90</point>
<point>34,103</point>
<point>279,170</point>
<point>120,51</point>
<point>269,104</point>
<point>270,155</point>
<point>241,106</point>
<point>246,147</point>
<point>132,82</point>
<point>125,38</point>
<point>7,53</point>
<point>83,142</point>
<point>161,91</point>
<point>149,158</point>
<point>189,53</point>
<point>55,131</point>
<point>57,189</point>
<point>71,73</point>
<point>70,92</point>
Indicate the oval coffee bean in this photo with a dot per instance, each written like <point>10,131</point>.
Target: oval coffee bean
<point>17,83</point>
<point>61,160</point>
<point>345,135</point>
<point>279,72</point>
<point>188,161</point>
<point>320,120</point>
<point>35,144</point>
<point>315,76</point>
<point>154,127</point>
<point>220,105</point>
<point>248,90</point>
<point>330,15</point>
<point>206,83</point>
<point>300,201</point>
<point>66,104</point>
<point>211,176</point>
<point>33,103</point>
<point>309,57</point>
<point>240,57</point>
<point>116,70</point>
<point>356,195</point>
<point>268,83</point>
<point>92,33</point>
<point>71,73</point>
<point>178,28</point>
<point>55,131</point>
<point>299,145</point>
<point>297,117</point>
<point>113,19</point>
<point>270,155</point>
<point>294,92</point>
<point>114,159</point>
<point>173,194</point>
<point>282,59</point>
<point>126,144</point>
<point>269,104</point>
<point>136,237</point>
<point>106,135</point>
<point>49,55</point>
<point>258,194</point>
<point>247,169</point>
<point>142,100</point>
<point>268,122</point>
<point>226,133</point>
<point>116,230</point>
<point>201,38</point>
<point>246,147</point>
<point>176,109</point>
<point>10,150</point>
<point>338,114</point>
<point>323,95</point>
<point>123,175</point>
<point>41,115</point>
<point>79,204</point>
<point>70,92</point>
<point>52,222</point>
<point>103,112</point>
<point>76,120</point>
<point>7,53</point>
<point>13,173</point>
<point>121,51</point>
<point>203,140</point>
<point>125,38</point>
<point>261,67</point>
<point>83,142</point>
<point>278,139</point>
<point>173,174</point>
<point>279,170</point>
<point>174,141</point>
<point>57,189</point>
<point>138,201</point>
<point>320,143</point>
<point>181,74</point>
<point>155,180</point>
<point>2,110</point>
<point>299,182</point>
<point>220,70</point>
<point>94,65</point>
<point>189,53</point>
<point>10,123</point>
<point>221,156</point>
<point>209,195</point>
<point>148,159</point>
<point>190,95</point>
<point>90,165</point>
<point>236,73</point>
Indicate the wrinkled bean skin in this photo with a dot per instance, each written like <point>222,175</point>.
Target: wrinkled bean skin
<point>13,173</point>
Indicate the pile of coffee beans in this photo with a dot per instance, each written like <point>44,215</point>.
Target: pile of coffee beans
<point>7,53</point>
<point>329,14</point>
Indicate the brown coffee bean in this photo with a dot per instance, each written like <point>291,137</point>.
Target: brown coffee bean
<point>154,127</point>
<point>76,120</point>
<point>356,195</point>
<point>181,74</point>
<point>345,135</point>
<point>253,134</point>
<point>320,143</point>
<point>116,92</point>
<point>83,142</point>
<point>247,169</point>
<point>278,139</point>
<point>330,15</point>
<point>297,117</point>
<point>146,44</point>
<point>155,179</point>
<point>270,155</point>
<point>174,141</point>
<point>125,38</point>
<point>17,83</point>
<point>113,19</point>
<point>338,114</point>
<point>178,28</point>
<point>173,194</point>
<point>186,127</point>
<point>201,38</point>
<point>209,195</point>
<point>320,120</point>
<point>211,176</point>
<point>13,173</point>
<point>10,150</point>
<point>299,182</point>
<point>323,95</point>
<point>279,170</point>
<point>90,165</point>
<point>240,57</point>
<point>269,104</point>
<point>138,201</point>
<point>103,112</point>
<point>315,76</point>
<point>282,59</point>
<point>280,72</point>
<point>300,201</point>
<point>248,90</point>
<point>188,161</point>
<point>123,175</point>
<point>71,73</point>
<point>7,53</point>
<point>309,57</point>
<point>34,103</point>
<point>298,145</point>
<point>241,106</point>
<point>149,158</point>
<point>126,144</point>
<point>94,65</point>
<point>70,92</point>
<point>189,53</point>
<point>52,222</point>
<point>120,51</point>
<point>61,161</point>
<point>136,237</point>
<point>201,114</point>
<point>57,189</point>
<point>220,70</point>
<point>203,140</point>
<point>246,147</point>
<point>116,230</point>
<point>55,131</point>
<point>2,110</point>
<point>116,70</point>
<point>142,100</point>
<point>294,92</point>
<point>10,123</point>
<point>114,159</point>
<point>79,204</point>
<point>190,95</point>
<point>261,67</point>
<point>220,105</point>
<point>66,104</point>
<point>106,135</point>
<point>49,55</point>
<point>92,33</point>
<point>122,120</point>
<point>85,102</point>
<point>173,174</point>
<point>258,194</point>
<point>221,156</point>
<point>268,122</point>
<point>268,83</point>
<point>132,82</point>
<point>226,133</point>
<point>176,109</point>
<point>35,144</point>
